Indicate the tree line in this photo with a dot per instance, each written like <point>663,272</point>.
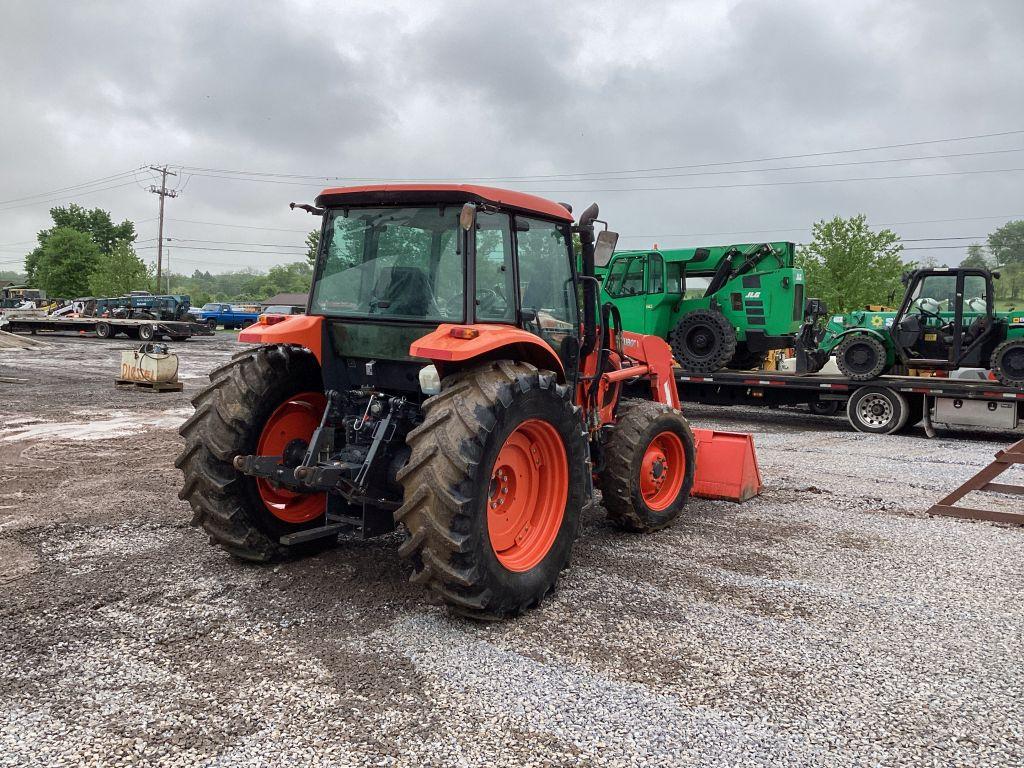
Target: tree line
<point>847,263</point>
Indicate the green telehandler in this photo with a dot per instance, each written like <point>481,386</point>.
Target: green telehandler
<point>718,307</point>
<point>947,320</point>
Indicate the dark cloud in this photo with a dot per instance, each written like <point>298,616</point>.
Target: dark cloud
<point>468,89</point>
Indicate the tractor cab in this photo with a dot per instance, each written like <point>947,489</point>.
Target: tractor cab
<point>946,320</point>
<point>389,273</point>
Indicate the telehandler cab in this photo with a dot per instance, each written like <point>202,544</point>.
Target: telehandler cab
<point>446,379</point>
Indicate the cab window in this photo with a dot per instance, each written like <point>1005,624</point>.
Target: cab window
<point>494,281</point>
<point>626,278</point>
<point>546,286</point>
<point>975,294</point>
<point>675,280</point>
<point>655,274</point>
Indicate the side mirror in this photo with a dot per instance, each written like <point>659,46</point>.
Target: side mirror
<point>467,217</point>
<point>605,247</point>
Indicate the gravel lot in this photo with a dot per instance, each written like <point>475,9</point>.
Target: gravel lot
<point>826,623</point>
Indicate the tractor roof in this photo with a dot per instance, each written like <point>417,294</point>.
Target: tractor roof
<point>397,194</point>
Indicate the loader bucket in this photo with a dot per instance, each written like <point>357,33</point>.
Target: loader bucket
<point>726,466</point>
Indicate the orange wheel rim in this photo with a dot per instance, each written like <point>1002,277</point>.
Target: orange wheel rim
<point>529,486</point>
<point>662,471</point>
<point>295,419</point>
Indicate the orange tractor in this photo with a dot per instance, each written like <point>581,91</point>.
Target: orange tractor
<point>447,378</point>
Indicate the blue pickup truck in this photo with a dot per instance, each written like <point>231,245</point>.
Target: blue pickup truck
<point>226,316</point>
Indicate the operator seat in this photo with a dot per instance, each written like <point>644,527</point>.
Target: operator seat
<point>407,293</point>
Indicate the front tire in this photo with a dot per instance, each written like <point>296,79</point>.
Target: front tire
<point>494,489</point>
<point>877,410</point>
<point>243,515</point>
<point>703,341</point>
<point>861,357</point>
<point>650,460</point>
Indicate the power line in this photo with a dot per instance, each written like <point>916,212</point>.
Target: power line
<point>782,183</point>
<point>1008,217</point>
<point>631,170</point>
<point>233,242</point>
<point>72,187</point>
<point>70,195</point>
<point>236,226</point>
<point>255,177</point>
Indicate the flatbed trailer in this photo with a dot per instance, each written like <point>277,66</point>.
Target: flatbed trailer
<point>104,327</point>
<point>885,405</point>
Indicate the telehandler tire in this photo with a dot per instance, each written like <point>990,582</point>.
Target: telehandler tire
<point>861,357</point>
<point>262,399</point>
<point>1008,363</point>
<point>494,489</point>
<point>703,341</point>
<point>650,459</point>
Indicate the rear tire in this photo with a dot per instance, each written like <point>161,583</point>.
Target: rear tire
<point>861,357</point>
<point>104,331</point>
<point>147,332</point>
<point>1008,363</point>
<point>644,487</point>
<point>703,341</point>
<point>229,419</point>
<point>453,481</point>
<point>877,410</point>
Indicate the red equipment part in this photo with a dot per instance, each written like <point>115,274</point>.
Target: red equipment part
<point>295,419</point>
<point>726,466</point>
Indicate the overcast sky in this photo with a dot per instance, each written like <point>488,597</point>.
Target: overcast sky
<point>468,90</point>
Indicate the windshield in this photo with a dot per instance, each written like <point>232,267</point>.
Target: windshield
<point>391,262</point>
<point>279,309</point>
<point>210,307</point>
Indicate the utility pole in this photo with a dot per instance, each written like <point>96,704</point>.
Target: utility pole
<point>164,192</point>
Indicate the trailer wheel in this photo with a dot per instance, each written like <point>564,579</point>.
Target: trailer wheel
<point>877,410</point>
<point>147,332</point>
<point>703,341</point>
<point>258,403</point>
<point>861,357</point>
<point>494,489</point>
<point>1008,363</point>
<point>649,466</point>
<point>104,330</point>
<point>824,407</point>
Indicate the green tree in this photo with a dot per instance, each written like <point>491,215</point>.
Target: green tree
<point>65,262</point>
<point>95,223</point>
<point>849,266</point>
<point>119,272</point>
<point>312,245</point>
<point>977,258</point>
<point>1007,243</point>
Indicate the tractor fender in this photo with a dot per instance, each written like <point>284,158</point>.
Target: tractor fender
<point>304,330</point>
<point>451,347</point>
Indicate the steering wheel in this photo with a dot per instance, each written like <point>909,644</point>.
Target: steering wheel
<point>491,299</point>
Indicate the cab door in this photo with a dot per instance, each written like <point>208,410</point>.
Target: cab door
<point>626,288</point>
<point>665,285</point>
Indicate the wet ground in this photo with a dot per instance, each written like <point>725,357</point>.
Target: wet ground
<point>828,622</point>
